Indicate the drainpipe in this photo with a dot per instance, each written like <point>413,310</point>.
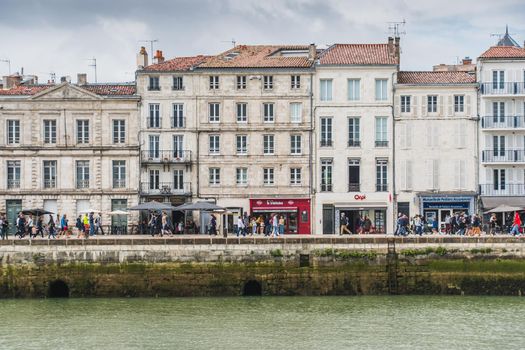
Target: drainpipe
<point>310,154</point>
<point>394,194</point>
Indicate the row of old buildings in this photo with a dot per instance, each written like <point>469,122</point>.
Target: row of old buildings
<point>305,132</point>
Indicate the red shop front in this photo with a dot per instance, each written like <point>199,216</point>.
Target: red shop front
<point>296,212</point>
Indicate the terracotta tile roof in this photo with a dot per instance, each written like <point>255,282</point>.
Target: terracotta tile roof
<point>434,78</point>
<point>25,90</point>
<point>260,56</point>
<point>343,54</point>
<point>177,64</point>
<point>99,89</point>
<point>503,52</point>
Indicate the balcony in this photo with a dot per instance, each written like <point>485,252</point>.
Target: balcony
<point>381,187</point>
<point>11,184</point>
<point>503,156</point>
<point>166,156</point>
<point>382,143</point>
<point>354,143</point>
<point>353,187</point>
<point>154,122</point>
<point>82,184</point>
<point>496,88</point>
<point>502,190</point>
<point>165,189</point>
<point>326,143</point>
<point>178,122</point>
<point>504,122</point>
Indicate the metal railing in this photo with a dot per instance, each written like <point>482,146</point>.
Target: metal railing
<point>326,187</point>
<point>502,88</point>
<point>117,183</point>
<point>381,187</point>
<point>326,143</point>
<point>154,123</point>
<point>502,189</point>
<point>154,88</point>
<point>50,183</point>
<point>178,122</point>
<point>354,187</point>
<point>498,156</point>
<point>354,143</point>
<point>503,122</point>
<point>82,183</point>
<point>381,143</point>
<point>166,156</point>
<point>165,188</point>
<point>13,184</point>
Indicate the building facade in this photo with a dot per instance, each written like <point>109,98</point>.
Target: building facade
<point>69,148</point>
<point>436,143</point>
<point>501,76</point>
<point>353,94</point>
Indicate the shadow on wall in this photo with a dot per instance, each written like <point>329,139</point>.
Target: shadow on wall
<point>252,288</point>
<point>58,289</point>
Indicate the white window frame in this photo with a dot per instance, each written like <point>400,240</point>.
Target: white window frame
<point>268,144</point>
<point>242,112</point>
<point>14,173</point>
<point>119,131</point>
<point>13,131</point>
<point>325,89</point>
<point>267,82</point>
<point>50,131</point>
<point>241,176</point>
<point>432,101</point>
<point>49,167</point>
<point>241,82</point>
<point>214,112</point>
<point>296,112</point>
<point>459,103</point>
<point>82,174</point>
<point>178,115</point>
<point>82,131</point>
<point>295,177</point>
<point>354,89</point>
<point>214,82</point>
<point>295,82</point>
<point>326,132</point>
<point>154,119</point>
<point>268,112</point>
<point>381,89</point>
<point>118,173</point>
<point>178,83</point>
<point>327,175</point>
<point>214,176</point>
<point>214,144</point>
<point>268,176</point>
<point>406,102</point>
<point>296,144</point>
<point>241,144</point>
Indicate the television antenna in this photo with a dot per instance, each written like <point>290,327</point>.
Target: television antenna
<point>94,65</point>
<point>8,61</point>
<point>396,29</point>
<point>232,41</point>
<point>151,41</point>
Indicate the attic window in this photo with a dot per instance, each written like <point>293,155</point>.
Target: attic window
<point>231,55</point>
<point>292,53</point>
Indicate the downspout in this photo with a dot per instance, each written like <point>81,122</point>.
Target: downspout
<point>310,153</point>
<point>394,194</point>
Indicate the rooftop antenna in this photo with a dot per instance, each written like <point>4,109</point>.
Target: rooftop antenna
<point>94,65</point>
<point>151,41</point>
<point>232,41</point>
<point>396,29</point>
<point>8,61</point>
<point>53,77</point>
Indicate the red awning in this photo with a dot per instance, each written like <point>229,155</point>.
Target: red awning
<point>274,210</point>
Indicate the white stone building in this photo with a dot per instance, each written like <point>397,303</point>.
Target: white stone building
<point>68,148</point>
<point>436,143</point>
<point>353,97</point>
<point>501,76</point>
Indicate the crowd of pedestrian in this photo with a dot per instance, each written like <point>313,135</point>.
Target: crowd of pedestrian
<point>271,225</point>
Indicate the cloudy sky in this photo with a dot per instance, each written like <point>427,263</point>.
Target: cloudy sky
<point>59,36</point>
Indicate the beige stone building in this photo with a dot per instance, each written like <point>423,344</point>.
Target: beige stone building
<point>68,148</point>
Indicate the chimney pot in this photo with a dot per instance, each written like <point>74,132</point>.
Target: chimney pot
<point>12,81</point>
<point>142,58</point>
<point>81,79</point>
<point>466,60</point>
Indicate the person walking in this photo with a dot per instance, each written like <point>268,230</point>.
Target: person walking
<point>65,226</point>
<point>281,225</point>
<point>51,228</point>
<point>493,222</point>
<point>240,227</point>
<point>98,224</point>
<point>343,225</point>
<point>253,225</point>
<point>418,224</point>
<point>3,227</point>
<point>367,225</point>
<point>213,225</point>
<point>31,226</point>
<point>516,224</point>
<point>91,221</point>
<point>275,226</point>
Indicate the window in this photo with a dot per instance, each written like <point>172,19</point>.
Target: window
<point>295,144</point>
<point>295,176</point>
<point>214,82</point>
<point>459,103</point>
<point>326,90</point>
<point>178,115</point>
<point>119,131</point>
<point>498,79</point>
<point>268,112</point>
<point>295,81</point>
<point>178,146</point>
<point>268,82</point>
<point>50,131</point>
<point>499,179</point>
<point>296,112</point>
<point>154,143</point>
<point>214,114</point>
<point>242,112</point>
<point>381,175</point>
<point>154,115</point>
<point>381,89</point>
<point>326,175</point>
<point>214,144</point>
<point>498,146</point>
<point>405,104</point>
<point>83,131</point>
<point>178,83</point>
<point>215,176</point>
<point>154,84</point>
<point>13,174</point>
<point>178,179</point>
<point>268,178</point>
<point>82,173</point>
<point>354,137</point>
<point>498,112</point>
<point>13,132</point>
<point>154,179</point>
<point>119,174</point>
<point>241,82</point>
<point>50,173</point>
<point>326,131</point>
<point>241,175</point>
<point>381,132</point>
<point>354,89</point>
<point>242,144</point>
<point>268,144</point>
<point>354,179</point>
<point>432,103</point>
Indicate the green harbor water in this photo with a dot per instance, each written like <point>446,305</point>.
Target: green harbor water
<point>400,322</point>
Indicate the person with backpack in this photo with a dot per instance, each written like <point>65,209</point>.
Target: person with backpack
<point>516,224</point>
<point>51,228</point>
<point>343,225</point>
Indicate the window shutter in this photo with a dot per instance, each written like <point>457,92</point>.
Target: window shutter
<point>462,135</point>
<point>467,105</point>
<point>462,172</point>
<point>424,104</point>
<point>408,135</point>
<point>435,135</point>
<point>429,135</point>
<point>430,177</point>
<point>440,105</point>
<point>403,177</point>
<point>435,173</point>
<point>450,106</point>
<point>398,106</point>
<point>402,136</point>
<point>408,174</point>
<point>457,174</point>
<point>413,105</point>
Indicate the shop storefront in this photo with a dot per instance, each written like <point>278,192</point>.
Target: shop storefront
<point>440,206</point>
<point>296,212</point>
<point>355,214</point>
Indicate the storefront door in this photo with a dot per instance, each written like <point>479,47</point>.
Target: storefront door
<point>13,207</point>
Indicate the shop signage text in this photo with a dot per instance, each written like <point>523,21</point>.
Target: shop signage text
<point>359,197</point>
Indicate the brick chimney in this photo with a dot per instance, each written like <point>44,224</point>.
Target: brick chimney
<point>312,52</point>
<point>397,50</point>
<point>81,79</point>
<point>158,58</point>
<point>391,49</point>
<point>466,60</point>
<point>142,58</point>
<point>11,81</point>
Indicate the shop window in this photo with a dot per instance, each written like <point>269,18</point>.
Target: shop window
<point>304,216</point>
<point>379,221</point>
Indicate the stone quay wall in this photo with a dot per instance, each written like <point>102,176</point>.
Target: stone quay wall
<point>153,267</point>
